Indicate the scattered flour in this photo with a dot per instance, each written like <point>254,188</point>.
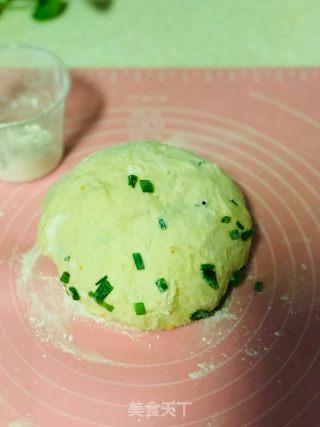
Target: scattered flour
<point>50,312</point>
<point>251,352</point>
<point>206,340</point>
<point>218,325</point>
<point>20,423</point>
<point>223,317</point>
<point>204,370</point>
<point>214,329</point>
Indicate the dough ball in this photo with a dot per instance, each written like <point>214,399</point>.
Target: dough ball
<point>146,234</point>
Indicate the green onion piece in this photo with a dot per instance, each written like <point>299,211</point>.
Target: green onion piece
<point>103,304</point>
<point>132,180</point>
<point>138,261</point>
<point>162,284</point>
<point>139,308</point>
<point>226,219</point>
<point>234,202</point>
<point>47,9</point>
<point>67,258</point>
<point>239,225</point>
<point>258,286</point>
<point>245,235</point>
<point>234,234</point>
<point>162,224</point>
<point>209,274</point>
<point>103,290</point>
<point>236,277</point>
<point>65,277</point>
<point>200,314</point>
<point>146,186</point>
<point>107,306</point>
<point>103,279</point>
<point>74,293</point>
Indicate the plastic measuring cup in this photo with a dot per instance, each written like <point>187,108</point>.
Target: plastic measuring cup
<point>34,84</point>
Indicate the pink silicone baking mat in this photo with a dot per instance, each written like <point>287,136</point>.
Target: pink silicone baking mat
<point>256,362</point>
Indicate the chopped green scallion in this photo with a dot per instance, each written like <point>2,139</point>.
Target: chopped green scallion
<point>107,306</point>
<point>239,225</point>
<point>138,261</point>
<point>146,186</point>
<point>234,202</point>
<point>132,180</point>
<point>103,279</point>
<point>74,293</point>
<point>226,219</point>
<point>209,274</point>
<point>65,277</point>
<point>103,290</point>
<point>258,286</point>
<point>245,235</point>
<point>200,314</point>
<point>103,304</point>
<point>162,284</point>
<point>67,258</point>
<point>162,224</point>
<point>234,234</point>
<point>139,308</point>
<point>236,277</point>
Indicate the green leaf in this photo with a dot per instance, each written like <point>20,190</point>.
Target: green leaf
<point>3,5</point>
<point>49,9</point>
<point>101,4</point>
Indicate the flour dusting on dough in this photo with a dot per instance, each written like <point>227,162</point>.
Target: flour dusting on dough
<point>50,311</point>
<point>51,230</point>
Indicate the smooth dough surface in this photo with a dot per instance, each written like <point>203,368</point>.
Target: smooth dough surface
<point>92,216</point>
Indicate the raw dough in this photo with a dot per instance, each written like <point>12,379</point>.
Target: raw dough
<point>93,222</point>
